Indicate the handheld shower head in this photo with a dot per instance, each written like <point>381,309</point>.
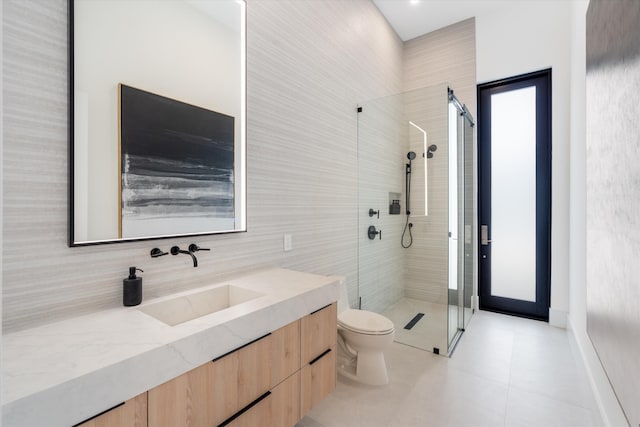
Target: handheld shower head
<point>411,155</point>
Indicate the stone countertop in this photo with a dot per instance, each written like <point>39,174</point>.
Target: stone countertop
<point>65,372</point>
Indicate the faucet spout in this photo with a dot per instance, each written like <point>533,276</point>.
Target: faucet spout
<point>175,250</point>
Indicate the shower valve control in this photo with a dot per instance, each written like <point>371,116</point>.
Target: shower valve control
<point>372,232</point>
<point>373,212</point>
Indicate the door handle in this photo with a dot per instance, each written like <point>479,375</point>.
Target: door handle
<point>484,235</point>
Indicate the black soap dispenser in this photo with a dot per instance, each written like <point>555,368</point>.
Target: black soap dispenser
<point>132,288</point>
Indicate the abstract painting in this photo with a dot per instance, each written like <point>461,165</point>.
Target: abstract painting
<point>177,167</point>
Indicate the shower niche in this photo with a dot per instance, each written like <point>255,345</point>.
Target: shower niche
<point>417,148</point>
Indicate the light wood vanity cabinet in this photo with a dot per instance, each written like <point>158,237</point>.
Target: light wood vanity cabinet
<point>272,381</point>
<point>132,413</point>
<point>318,347</point>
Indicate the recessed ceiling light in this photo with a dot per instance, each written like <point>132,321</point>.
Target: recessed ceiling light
<point>414,1</point>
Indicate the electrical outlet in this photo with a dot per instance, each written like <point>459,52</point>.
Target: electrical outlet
<point>288,242</point>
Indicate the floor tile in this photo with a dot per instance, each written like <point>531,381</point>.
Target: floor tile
<point>527,409</point>
<point>453,398</point>
<point>547,366</point>
<point>485,352</point>
<point>506,372</point>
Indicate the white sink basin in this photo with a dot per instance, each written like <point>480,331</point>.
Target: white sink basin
<point>188,307</point>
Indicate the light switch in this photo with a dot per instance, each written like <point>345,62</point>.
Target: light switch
<point>288,242</point>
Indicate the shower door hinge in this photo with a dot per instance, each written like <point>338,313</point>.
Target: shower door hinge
<point>359,109</point>
<point>359,303</point>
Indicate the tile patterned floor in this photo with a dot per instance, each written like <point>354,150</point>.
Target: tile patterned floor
<point>430,331</point>
<point>505,371</point>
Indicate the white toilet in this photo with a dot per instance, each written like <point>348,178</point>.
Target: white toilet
<point>362,338</point>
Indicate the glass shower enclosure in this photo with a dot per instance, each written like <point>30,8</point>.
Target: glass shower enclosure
<point>415,198</point>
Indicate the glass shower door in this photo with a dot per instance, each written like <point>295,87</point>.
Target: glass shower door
<point>454,291</point>
<point>460,220</point>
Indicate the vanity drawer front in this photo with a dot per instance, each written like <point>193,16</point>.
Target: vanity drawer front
<point>132,413</point>
<point>317,380</point>
<point>281,408</point>
<point>240,378</point>
<point>285,357</point>
<point>285,402</point>
<point>183,401</point>
<point>211,393</point>
<point>318,332</point>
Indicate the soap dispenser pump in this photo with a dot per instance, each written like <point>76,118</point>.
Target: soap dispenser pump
<point>132,288</point>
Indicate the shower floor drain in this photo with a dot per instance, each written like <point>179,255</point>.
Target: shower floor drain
<point>413,321</point>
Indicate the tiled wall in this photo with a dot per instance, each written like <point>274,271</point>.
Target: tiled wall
<point>443,56</point>
<point>309,64</point>
<point>613,183</point>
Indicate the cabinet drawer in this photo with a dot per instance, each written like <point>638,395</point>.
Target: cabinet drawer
<point>285,354</point>
<point>281,408</point>
<point>211,393</point>
<point>318,332</point>
<point>256,415</point>
<point>132,413</point>
<point>240,378</point>
<point>183,401</point>
<point>317,380</point>
<point>285,402</point>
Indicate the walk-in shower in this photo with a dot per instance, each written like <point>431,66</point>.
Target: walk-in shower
<point>417,146</point>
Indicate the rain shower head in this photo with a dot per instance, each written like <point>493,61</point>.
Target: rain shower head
<point>411,155</point>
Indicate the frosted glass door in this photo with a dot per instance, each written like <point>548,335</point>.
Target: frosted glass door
<point>513,194</point>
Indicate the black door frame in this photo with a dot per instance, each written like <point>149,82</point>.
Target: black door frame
<point>540,308</point>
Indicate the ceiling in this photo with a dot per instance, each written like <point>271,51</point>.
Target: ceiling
<point>413,18</point>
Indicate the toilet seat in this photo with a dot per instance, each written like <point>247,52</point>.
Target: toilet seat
<point>365,322</point>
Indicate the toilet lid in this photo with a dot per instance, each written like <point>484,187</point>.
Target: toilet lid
<point>366,322</point>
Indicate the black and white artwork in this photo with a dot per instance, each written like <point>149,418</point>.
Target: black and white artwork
<point>177,167</point>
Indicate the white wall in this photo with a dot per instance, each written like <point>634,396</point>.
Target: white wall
<point>531,36</point>
<point>308,63</point>
<point>604,394</point>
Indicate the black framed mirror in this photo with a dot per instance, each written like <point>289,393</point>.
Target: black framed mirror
<point>157,134</point>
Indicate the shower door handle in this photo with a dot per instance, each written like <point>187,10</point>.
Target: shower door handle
<point>484,235</point>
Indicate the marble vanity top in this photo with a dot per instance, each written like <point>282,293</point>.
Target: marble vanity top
<point>62,373</point>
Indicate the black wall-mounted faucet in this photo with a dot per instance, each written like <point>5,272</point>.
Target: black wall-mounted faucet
<point>195,248</point>
<point>175,250</point>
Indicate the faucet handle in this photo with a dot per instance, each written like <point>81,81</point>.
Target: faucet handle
<point>156,252</point>
<point>195,248</point>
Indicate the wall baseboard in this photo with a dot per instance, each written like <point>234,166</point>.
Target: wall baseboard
<point>558,318</point>
<point>603,393</point>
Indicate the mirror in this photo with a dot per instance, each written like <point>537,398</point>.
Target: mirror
<point>157,120</point>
